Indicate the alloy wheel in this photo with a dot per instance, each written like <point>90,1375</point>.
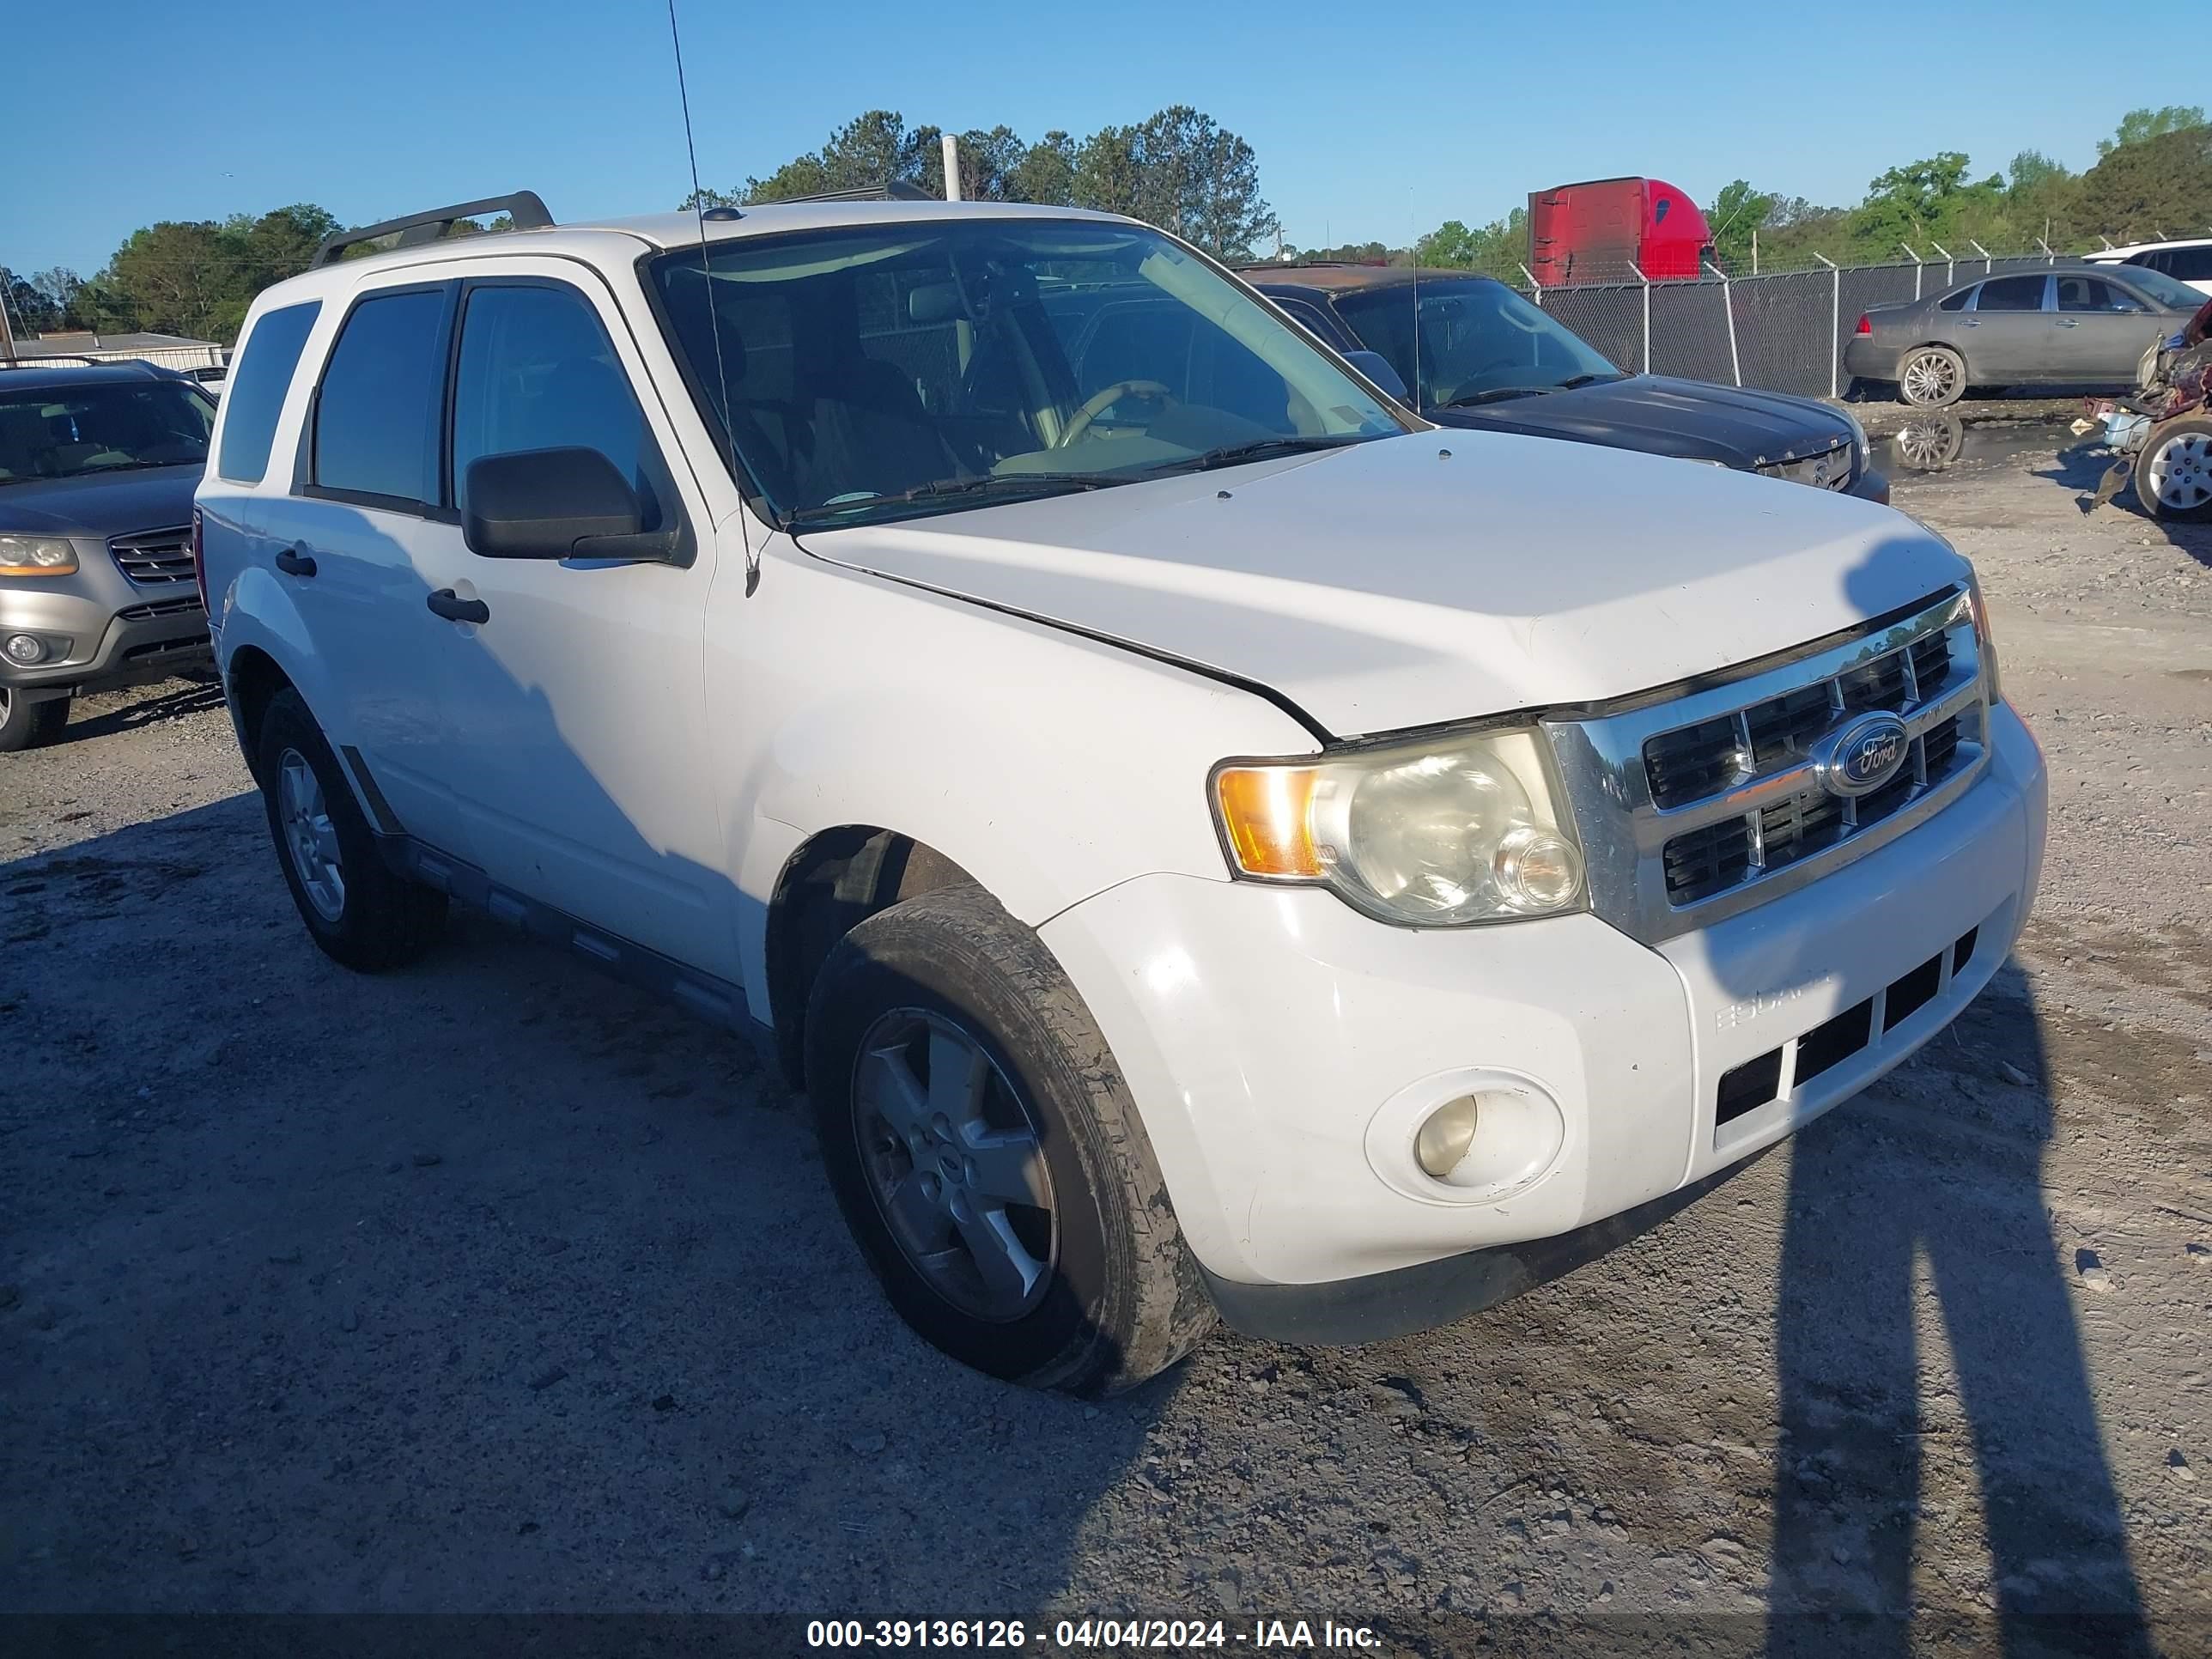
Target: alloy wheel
<point>953,1161</point>
<point>1929,377</point>
<point>2181,472</point>
<point>311,840</point>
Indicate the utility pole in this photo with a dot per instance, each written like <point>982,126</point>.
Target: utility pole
<point>951,168</point>
<point>7,329</point>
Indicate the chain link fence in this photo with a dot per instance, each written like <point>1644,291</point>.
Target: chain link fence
<point>1783,331</point>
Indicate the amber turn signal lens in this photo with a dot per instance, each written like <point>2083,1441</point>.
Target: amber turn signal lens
<point>1267,812</point>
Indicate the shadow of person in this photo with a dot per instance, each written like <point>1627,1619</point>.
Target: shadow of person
<point>1916,1222</point>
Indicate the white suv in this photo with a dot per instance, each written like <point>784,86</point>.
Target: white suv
<point>2188,259</point>
<point>1204,839</point>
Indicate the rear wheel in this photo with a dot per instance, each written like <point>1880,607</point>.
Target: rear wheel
<point>2173,469</point>
<point>357,908</point>
<point>1931,377</point>
<point>987,1156</point>
<point>27,725</point>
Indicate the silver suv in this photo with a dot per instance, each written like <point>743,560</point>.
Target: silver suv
<point>97,462</point>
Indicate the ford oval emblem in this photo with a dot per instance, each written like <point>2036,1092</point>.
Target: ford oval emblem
<point>1865,755</point>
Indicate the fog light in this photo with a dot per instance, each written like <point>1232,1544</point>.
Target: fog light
<point>1537,870</point>
<point>25,649</point>
<point>1445,1135</point>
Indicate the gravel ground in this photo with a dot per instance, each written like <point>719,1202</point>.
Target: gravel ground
<point>491,1287</point>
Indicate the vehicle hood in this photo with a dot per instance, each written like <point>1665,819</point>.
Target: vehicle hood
<point>99,505</point>
<point>1664,417</point>
<point>1385,586</point>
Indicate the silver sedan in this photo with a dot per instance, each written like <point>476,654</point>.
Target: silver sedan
<point>2065,324</point>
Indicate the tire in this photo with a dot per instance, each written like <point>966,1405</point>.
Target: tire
<point>26,725</point>
<point>1092,1291</point>
<point>362,912</point>
<point>1931,377</point>
<point>2173,471</point>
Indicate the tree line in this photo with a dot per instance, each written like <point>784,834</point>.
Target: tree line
<point>2153,180</point>
<point>1180,169</point>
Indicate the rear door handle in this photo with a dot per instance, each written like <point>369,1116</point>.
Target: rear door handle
<point>2068,322</point>
<point>293,563</point>
<point>450,605</point>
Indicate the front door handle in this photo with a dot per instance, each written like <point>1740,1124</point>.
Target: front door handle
<point>294,562</point>
<point>450,605</point>
<point>2068,322</point>
<point>1970,323</point>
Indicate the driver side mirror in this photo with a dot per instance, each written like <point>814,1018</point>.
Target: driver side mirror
<point>556,504</point>
<point>1376,367</point>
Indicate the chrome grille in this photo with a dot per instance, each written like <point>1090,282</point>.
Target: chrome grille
<point>154,558</point>
<point>1696,806</point>
<point>1829,470</point>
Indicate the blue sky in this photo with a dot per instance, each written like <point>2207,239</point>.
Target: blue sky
<point>1369,121</point>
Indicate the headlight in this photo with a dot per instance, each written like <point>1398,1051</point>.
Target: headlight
<point>1858,442</point>
<point>1985,645</point>
<point>36,555</point>
<point>1440,832</point>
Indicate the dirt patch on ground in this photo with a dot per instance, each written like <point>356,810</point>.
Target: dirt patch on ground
<point>492,1286</point>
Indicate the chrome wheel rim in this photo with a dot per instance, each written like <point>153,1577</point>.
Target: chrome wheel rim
<point>2181,472</point>
<point>951,1157</point>
<point>1929,377</point>
<point>311,840</point>
<point>7,704</point>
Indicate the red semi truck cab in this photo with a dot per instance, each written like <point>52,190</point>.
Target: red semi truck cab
<point>1607,230</point>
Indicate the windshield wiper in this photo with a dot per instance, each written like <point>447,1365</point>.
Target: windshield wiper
<point>991,484</point>
<point>1498,394</point>
<point>1237,454</point>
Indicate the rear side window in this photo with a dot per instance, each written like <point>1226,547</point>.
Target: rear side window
<point>376,411</point>
<point>538,372</point>
<point>2012,294</point>
<point>2190,264</point>
<point>255,394</point>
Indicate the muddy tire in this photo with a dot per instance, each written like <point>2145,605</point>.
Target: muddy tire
<point>2173,471</point>
<point>362,913</point>
<point>987,1156</point>
<point>27,725</point>
<point>1931,377</point>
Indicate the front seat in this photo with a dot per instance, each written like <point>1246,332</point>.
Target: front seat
<point>866,430</point>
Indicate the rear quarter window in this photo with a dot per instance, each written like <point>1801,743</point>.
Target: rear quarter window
<point>255,394</point>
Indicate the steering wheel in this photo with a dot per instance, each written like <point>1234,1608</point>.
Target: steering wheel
<point>1099,402</point>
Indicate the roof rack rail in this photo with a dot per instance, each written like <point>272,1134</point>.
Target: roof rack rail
<point>891,190</point>
<point>39,360</point>
<point>524,207</point>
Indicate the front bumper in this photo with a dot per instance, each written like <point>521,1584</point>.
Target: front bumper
<point>1265,1033</point>
<point>128,637</point>
<point>1870,486</point>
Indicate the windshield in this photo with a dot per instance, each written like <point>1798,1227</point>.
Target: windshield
<point>66,432</point>
<point>928,366</point>
<point>2169,291</point>
<point>1478,340</point>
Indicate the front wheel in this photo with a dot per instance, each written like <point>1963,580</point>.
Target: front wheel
<point>27,725</point>
<point>1932,377</point>
<point>986,1155</point>
<point>2173,469</point>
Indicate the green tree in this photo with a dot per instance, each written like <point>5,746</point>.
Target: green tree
<point>1737,214</point>
<point>1497,248</point>
<point>2162,185</point>
<point>1046,173</point>
<point>1182,171</point>
<point>2139,126</point>
<point>43,303</point>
